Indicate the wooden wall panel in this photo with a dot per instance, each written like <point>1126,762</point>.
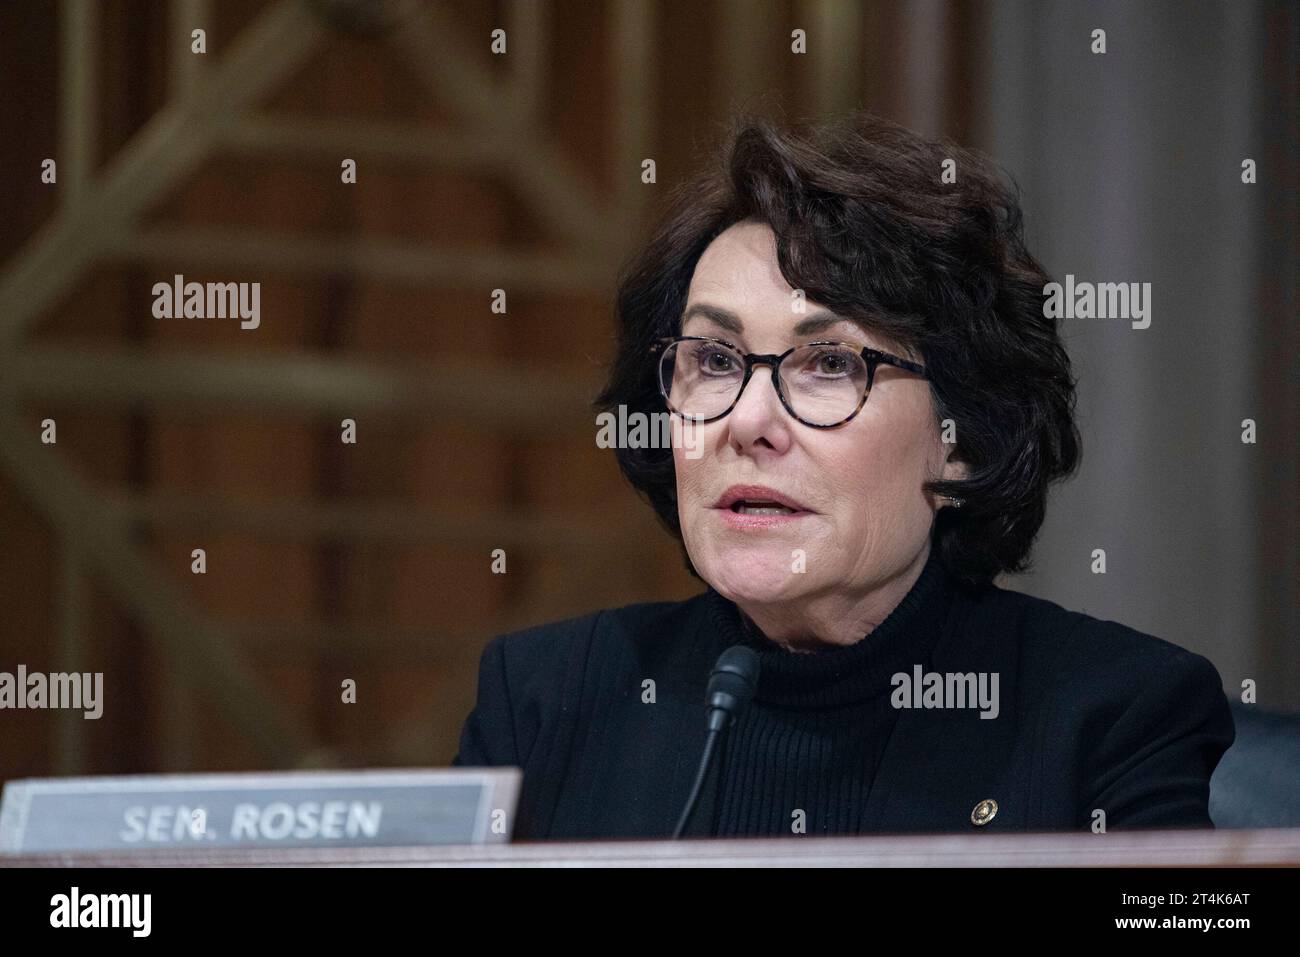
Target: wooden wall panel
<point>404,616</point>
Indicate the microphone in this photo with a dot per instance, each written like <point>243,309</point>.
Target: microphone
<point>731,687</point>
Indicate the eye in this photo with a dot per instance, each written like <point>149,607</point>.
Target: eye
<point>831,362</point>
<point>713,360</point>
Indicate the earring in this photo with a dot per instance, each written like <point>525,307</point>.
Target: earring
<point>957,501</point>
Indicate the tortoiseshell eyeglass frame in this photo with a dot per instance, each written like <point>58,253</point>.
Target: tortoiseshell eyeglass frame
<point>872,358</point>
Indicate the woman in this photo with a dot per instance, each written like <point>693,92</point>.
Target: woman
<point>868,407</point>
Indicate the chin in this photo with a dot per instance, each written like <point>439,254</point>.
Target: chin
<point>753,575</point>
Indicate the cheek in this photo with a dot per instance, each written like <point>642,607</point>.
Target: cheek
<point>690,463</point>
<point>691,488</point>
<point>879,474</point>
<point>683,467</point>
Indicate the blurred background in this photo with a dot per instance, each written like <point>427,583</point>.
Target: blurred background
<point>373,561</point>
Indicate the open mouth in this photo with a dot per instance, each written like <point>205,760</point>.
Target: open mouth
<point>760,502</point>
<point>758,507</point>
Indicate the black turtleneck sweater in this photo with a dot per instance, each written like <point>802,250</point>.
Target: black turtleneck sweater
<point>802,758</point>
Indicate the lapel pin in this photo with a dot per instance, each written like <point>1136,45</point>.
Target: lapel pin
<point>984,812</point>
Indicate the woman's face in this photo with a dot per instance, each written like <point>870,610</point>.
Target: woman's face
<point>865,517</point>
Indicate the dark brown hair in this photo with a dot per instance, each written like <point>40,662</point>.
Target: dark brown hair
<point>866,226</point>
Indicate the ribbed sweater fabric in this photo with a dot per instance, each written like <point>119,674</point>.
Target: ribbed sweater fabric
<point>802,757</point>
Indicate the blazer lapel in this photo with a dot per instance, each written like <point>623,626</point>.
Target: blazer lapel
<point>941,764</point>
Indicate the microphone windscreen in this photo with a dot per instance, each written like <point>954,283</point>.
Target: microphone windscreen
<point>734,679</point>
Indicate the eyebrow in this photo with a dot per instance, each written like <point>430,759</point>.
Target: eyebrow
<point>816,321</point>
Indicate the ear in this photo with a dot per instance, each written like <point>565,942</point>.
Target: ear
<point>954,467</point>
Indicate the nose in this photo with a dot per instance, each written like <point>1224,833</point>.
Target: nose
<point>758,420</point>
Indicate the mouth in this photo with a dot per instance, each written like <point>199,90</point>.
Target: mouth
<point>759,501</point>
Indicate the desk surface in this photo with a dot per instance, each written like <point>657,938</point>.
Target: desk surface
<point>1185,848</point>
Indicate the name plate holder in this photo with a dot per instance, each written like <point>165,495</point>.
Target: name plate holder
<point>365,808</point>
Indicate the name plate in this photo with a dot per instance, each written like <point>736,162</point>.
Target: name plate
<point>262,809</point>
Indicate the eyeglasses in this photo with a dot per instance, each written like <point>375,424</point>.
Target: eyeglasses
<point>822,384</point>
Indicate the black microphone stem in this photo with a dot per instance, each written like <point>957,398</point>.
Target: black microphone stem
<point>709,743</point>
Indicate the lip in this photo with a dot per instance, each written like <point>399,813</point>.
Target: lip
<point>737,521</point>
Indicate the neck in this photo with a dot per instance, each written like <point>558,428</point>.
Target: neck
<point>833,619</point>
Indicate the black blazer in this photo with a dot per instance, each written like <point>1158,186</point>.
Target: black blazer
<point>1093,714</point>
